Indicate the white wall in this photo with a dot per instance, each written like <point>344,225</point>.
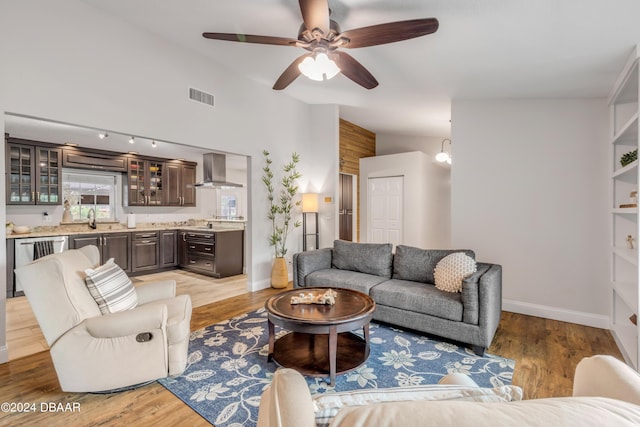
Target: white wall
<point>529,191</point>
<point>66,61</point>
<point>426,197</point>
<point>438,205</point>
<point>394,144</point>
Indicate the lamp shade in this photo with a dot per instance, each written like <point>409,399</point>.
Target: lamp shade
<point>309,202</point>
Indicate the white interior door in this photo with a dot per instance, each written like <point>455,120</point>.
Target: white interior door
<point>385,196</point>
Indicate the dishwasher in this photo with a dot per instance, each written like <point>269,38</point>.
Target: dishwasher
<point>25,251</point>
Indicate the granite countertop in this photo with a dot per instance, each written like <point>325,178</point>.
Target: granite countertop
<point>73,229</point>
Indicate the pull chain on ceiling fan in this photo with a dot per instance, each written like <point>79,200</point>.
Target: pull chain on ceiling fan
<point>322,37</point>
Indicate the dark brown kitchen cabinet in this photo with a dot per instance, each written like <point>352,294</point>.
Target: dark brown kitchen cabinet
<point>179,179</point>
<point>145,251</point>
<point>86,158</point>
<point>111,245</point>
<point>217,254</point>
<point>145,180</point>
<point>168,248</point>
<point>34,173</point>
<point>11,262</point>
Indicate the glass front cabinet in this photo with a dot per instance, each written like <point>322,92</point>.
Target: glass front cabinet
<point>34,174</point>
<point>145,180</point>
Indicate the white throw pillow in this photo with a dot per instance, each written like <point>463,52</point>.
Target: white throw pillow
<point>111,288</point>
<point>327,405</point>
<point>451,269</point>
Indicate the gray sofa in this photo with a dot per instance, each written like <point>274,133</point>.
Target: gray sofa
<point>402,286</point>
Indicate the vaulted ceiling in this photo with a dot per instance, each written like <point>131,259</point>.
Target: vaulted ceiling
<point>483,49</point>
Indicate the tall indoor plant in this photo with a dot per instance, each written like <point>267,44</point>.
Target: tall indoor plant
<point>282,206</point>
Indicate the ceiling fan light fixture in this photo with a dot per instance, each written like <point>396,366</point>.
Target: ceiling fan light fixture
<point>319,68</point>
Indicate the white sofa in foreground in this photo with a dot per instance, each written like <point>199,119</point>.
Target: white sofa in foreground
<point>606,392</point>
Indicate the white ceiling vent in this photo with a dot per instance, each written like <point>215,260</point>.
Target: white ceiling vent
<point>198,95</point>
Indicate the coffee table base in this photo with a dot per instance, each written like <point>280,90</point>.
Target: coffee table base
<point>309,353</point>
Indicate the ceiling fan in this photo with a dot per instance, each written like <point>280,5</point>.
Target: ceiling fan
<point>322,37</point>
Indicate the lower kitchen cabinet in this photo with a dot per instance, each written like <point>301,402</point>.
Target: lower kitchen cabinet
<point>111,245</point>
<point>168,248</point>
<point>145,251</point>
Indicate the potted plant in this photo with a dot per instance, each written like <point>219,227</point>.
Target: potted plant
<point>282,205</point>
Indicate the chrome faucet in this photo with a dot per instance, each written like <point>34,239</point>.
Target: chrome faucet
<point>92,219</point>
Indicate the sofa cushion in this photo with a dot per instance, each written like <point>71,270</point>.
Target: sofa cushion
<point>451,270</point>
<point>333,278</point>
<point>370,258</point>
<point>111,288</point>
<point>419,298</point>
<point>418,265</point>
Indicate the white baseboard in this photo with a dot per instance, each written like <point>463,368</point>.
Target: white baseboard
<point>260,284</point>
<point>554,313</point>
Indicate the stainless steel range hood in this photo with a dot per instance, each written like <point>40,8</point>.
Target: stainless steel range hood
<point>214,167</point>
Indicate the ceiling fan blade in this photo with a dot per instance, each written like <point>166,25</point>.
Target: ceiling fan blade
<point>290,74</point>
<point>354,70</point>
<point>315,14</point>
<point>389,32</point>
<point>248,38</point>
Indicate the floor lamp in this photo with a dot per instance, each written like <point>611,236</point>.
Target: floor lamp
<point>309,205</point>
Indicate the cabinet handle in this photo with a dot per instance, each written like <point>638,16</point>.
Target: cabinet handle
<point>191,247</point>
<point>33,196</point>
<point>184,237</point>
<point>183,200</point>
<point>145,235</point>
<point>146,242</point>
<point>207,249</point>
<point>104,241</point>
<point>191,261</point>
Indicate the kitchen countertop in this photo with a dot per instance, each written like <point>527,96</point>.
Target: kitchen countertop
<point>75,229</point>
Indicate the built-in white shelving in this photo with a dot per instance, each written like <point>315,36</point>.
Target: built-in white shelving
<point>625,258</point>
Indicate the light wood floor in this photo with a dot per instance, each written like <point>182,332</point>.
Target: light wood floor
<point>546,353</point>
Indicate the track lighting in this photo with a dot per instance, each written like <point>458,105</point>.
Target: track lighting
<point>131,140</point>
<point>153,143</point>
<point>103,135</point>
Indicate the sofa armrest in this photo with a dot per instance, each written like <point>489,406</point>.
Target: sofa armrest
<point>129,322</point>
<point>308,262</point>
<point>482,299</point>
<point>606,376</point>
<point>156,291</point>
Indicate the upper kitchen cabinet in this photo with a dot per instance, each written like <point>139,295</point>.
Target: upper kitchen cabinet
<point>34,173</point>
<point>146,182</point>
<point>180,177</point>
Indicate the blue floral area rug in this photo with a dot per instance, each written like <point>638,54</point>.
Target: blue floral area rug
<point>227,368</point>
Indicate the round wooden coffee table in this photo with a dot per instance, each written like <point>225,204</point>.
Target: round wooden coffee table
<point>320,342</point>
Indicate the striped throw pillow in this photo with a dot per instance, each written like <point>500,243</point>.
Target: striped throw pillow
<point>111,288</point>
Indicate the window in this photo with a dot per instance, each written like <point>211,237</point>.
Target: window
<point>85,190</point>
<point>229,206</point>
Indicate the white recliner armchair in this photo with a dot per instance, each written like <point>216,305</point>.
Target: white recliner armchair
<point>93,352</point>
